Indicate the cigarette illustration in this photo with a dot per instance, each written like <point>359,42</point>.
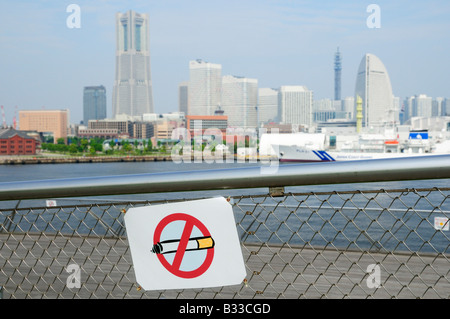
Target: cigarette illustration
<point>171,246</point>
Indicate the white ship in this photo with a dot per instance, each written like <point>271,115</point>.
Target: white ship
<point>295,153</point>
<point>304,147</point>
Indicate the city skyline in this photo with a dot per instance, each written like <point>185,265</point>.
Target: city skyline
<point>277,43</point>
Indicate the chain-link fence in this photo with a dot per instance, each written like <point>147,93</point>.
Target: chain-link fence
<point>354,244</point>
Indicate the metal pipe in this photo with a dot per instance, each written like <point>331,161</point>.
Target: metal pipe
<point>340,172</point>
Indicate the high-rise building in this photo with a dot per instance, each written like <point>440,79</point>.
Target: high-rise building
<point>296,103</point>
<point>205,85</point>
<point>438,104</point>
<point>348,106</point>
<point>446,107</point>
<point>337,75</point>
<point>183,97</point>
<point>94,103</point>
<point>408,111</point>
<point>267,105</point>
<point>374,87</point>
<point>132,92</point>
<point>240,101</point>
<point>422,105</point>
<point>45,121</point>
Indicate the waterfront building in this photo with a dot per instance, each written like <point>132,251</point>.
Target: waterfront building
<point>111,128</point>
<point>14,142</point>
<point>296,104</point>
<point>204,87</point>
<point>373,85</point>
<point>205,122</point>
<point>240,101</point>
<point>94,103</point>
<point>45,121</point>
<point>122,126</point>
<point>132,91</point>
<point>106,134</point>
<point>142,130</point>
<point>173,116</point>
<point>267,105</point>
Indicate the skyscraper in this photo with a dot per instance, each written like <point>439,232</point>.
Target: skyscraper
<point>183,97</point>
<point>374,87</point>
<point>205,86</point>
<point>295,103</point>
<point>132,92</point>
<point>267,105</point>
<point>239,101</point>
<point>337,75</point>
<point>94,103</point>
<point>422,105</point>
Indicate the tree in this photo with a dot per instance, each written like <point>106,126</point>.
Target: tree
<point>73,149</point>
<point>84,144</point>
<point>112,144</point>
<point>127,147</point>
<point>149,145</point>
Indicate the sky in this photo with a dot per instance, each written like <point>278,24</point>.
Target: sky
<point>44,64</point>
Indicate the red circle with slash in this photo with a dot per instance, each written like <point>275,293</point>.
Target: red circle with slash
<point>174,267</point>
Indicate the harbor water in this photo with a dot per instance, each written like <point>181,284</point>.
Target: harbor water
<point>398,229</point>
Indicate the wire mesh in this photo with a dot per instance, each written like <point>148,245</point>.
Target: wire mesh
<point>354,244</point>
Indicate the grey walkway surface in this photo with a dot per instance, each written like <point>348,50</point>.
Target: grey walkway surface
<point>35,266</point>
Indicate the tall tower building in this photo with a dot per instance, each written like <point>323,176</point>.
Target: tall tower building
<point>337,75</point>
<point>239,101</point>
<point>296,104</point>
<point>205,86</point>
<point>132,92</point>
<point>374,87</point>
<point>94,103</point>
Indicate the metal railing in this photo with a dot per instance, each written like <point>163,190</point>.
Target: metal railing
<point>333,244</point>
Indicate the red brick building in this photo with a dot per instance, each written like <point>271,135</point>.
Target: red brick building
<point>13,142</point>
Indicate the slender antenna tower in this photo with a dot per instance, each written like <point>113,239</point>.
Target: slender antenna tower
<point>337,75</point>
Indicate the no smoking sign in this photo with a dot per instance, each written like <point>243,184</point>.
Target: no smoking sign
<point>192,244</point>
<point>188,249</point>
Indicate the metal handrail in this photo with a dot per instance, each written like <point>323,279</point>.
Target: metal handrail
<point>380,170</point>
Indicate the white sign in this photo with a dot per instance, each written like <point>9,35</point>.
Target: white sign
<point>50,203</point>
<point>441,223</point>
<point>191,244</point>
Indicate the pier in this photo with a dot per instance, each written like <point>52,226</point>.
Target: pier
<point>18,160</point>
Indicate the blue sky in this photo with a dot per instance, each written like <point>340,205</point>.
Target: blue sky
<point>44,64</point>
